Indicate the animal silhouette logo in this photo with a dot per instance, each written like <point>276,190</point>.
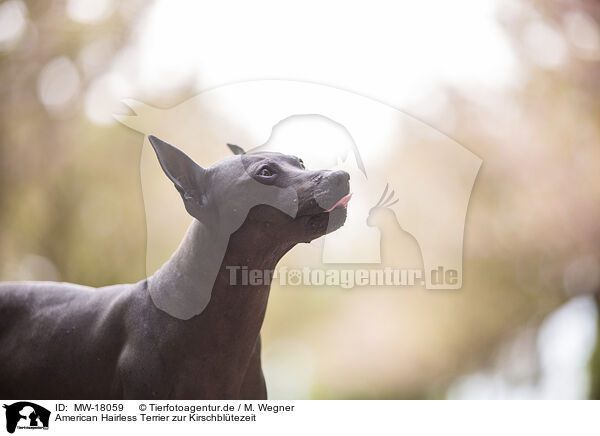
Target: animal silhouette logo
<point>26,415</point>
<point>397,246</point>
<point>432,176</point>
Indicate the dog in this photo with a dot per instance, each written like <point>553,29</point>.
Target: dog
<point>188,331</point>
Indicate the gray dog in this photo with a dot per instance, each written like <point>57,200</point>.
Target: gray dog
<point>189,331</point>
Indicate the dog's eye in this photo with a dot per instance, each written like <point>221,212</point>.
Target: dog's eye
<point>265,172</point>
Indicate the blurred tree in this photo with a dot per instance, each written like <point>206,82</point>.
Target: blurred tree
<point>539,141</point>
<point>64,179</point>
<point>594,393</point>
<point>579,21</point>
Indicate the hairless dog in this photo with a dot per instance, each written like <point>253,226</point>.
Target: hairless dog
<point>188,331</point>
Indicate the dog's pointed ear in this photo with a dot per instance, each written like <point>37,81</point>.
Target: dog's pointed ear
<point>236,149</point>
<point>188,177</point>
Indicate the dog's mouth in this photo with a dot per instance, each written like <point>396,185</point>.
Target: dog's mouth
<point>322,220</point>
<point>342,202</point>
<point>331,202</point>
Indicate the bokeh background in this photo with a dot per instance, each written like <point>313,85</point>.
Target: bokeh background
<point>516,82</point>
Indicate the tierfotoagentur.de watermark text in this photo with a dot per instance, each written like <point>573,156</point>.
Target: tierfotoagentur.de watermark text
<point>345,278</point>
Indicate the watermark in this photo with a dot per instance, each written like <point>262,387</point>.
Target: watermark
<point>344,278</point>
<point>362,184</point>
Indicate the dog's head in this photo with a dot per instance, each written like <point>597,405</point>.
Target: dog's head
<point>271,193</point>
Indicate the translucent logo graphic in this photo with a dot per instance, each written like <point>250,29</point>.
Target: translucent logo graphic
<point>409,184</point>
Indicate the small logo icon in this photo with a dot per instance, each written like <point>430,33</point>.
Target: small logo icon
<point>26,415</point>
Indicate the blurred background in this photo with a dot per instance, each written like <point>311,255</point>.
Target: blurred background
<point>516,82</point>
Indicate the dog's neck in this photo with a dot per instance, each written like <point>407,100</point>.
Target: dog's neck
<point>214,348</point>
<point>201,269</point>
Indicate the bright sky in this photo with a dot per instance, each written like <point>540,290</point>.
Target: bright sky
<point>395,52</point>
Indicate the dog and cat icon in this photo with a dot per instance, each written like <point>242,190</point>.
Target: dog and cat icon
<point>26,415</point>
<point>427,175</point>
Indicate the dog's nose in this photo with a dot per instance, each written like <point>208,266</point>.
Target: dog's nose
<point>343,176</point>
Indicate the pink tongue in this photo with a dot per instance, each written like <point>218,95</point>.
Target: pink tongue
<point>341,202</point>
